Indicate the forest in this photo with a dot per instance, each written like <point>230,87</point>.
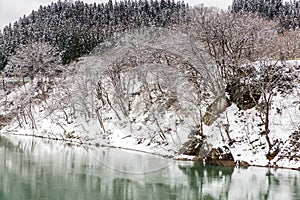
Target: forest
<point>76,28</point>
<point>286,13</point>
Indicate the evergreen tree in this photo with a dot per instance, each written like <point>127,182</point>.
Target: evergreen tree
<point>76,28</point>
<point>287,14</point>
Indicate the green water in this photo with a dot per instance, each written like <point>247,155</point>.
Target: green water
<point>33,169</point>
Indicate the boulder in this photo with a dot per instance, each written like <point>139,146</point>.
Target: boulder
<point>244,95</point>
<point>215,109</point>
<point>220,156</point>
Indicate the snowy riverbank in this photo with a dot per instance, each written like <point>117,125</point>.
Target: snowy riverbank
<point>151,104</point>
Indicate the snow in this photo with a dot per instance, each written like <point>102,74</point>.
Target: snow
<point>245,128</point>
<point>161,110</point>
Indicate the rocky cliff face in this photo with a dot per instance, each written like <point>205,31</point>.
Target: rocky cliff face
<point>244,95</point>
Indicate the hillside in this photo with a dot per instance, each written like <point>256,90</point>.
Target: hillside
<point>214,86</point>
<point>76,28</point>
<point>141,93</point>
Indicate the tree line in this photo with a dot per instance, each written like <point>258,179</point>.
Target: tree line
<point>286,13</point>
<point>76,28</point>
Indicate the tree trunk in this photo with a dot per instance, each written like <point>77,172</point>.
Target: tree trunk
<point>267,122</point>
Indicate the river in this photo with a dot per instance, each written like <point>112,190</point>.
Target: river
<point>36,169</point>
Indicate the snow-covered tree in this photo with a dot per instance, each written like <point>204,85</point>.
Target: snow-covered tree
<point>269,79</point>
<point>285,12</point>
<point>75,28</point>
<point>35,60</point>
<point>231,39</point>
<point>2,57</point>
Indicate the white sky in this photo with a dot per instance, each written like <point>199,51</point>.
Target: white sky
<point>12,10</point>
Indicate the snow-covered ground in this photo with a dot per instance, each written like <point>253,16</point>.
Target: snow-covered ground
<point>145,105</point>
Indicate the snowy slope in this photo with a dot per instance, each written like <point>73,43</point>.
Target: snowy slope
<point>145,99</point>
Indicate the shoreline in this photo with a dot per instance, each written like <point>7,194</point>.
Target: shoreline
<point>180,157</point>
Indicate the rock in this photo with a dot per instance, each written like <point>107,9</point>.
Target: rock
<point>4,120</point>
<point>192,147</point>
<point>204,150</point>
<point>244,95</point>
<point>242,163</point>
<point>195,143</point>
<point>220,157</point>
<point>215,109</point>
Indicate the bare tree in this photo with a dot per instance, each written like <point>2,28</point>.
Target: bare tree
<point>289,44</point>
<point>153,66</point>
<point>230,39</point>
<point>273,78</point>
<point>37,60</point>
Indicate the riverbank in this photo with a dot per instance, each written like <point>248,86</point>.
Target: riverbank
<point>144,110</point>
<point>181,157</point>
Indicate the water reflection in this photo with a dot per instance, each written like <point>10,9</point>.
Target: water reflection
<point>41,169</point>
